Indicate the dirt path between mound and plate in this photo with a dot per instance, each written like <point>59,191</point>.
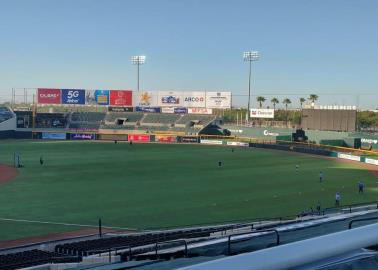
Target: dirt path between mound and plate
<point>7,173</point>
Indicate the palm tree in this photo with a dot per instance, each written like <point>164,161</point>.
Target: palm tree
<point>286,101</point>
<point>274,102</point>
<point>313,98</point>
<point>260,100</point>
<point>302,100</point>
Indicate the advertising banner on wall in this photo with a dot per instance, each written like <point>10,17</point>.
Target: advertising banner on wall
<point>165,138</point>
<point>179,110</point>
<point>101,97</point>
<point>348,156</point>
<point>73,96</point>
<point>205,141</point>
<point>121,98</point>
<point>261,113</point>
<point>147,99</point>
<point>200,111</point>
<point>194,99</point>
<point>371,161</point>
<point>120,109</point>
<point>113,137</point>
<point>169,98</point>
<point>189,139</point>
<point>48,96</point>
<point>139,137</point>
<point>82,136</point>
<point>147,109</point>
<point>243,144</point>
<point>218,100</point>
<point>53,136</point>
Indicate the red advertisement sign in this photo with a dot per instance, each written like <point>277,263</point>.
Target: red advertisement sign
<point>139,137</point>
<point>164,138</point>
<point>121,97</point>
<point>49,96</point>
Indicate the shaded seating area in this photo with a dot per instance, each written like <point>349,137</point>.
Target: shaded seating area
<point>86,120</point>
<point>50,120</point>
<point>198,119</point>
<point>161,118</point>
<point>32,258</point>
<point>5,114</point>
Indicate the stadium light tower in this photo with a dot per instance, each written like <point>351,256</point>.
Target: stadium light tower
<point>249,57</point>
<point>138,60</point>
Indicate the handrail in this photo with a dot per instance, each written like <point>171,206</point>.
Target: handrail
<point>360,219</point>
<point>174,241</point>
<point>254,232</point>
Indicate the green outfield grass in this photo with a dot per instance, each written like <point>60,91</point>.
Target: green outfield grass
<point>154,186</point>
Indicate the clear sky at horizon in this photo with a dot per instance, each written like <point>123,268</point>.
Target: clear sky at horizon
<point>324,47</point>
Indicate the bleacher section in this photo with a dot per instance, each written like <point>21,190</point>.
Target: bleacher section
<point>86,120</point>
<point>5,114</point>
<point>31,258</point>
<point>128,117</point>
<point>161,118</point>
<point>197,119</point>
<point>50,120</point>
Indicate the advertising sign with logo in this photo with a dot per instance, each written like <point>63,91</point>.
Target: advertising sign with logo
<point>147,99</point>
<point>48,96</point>
<point>90,97</point>
<point>194,99</point>
<point>82,136</point>
<point>113,137</point>
<point>101,97</point>
<point>371,161</point>
<point>139,137</point>
<point>244,144</point>
<point>179,110</point>
<point>148,109</point>
<point>218,142</point>
<point>218,100</point>
<point>165,138</point>
<point>350,157</point>
<point>269,133</point>
<point>200,111</point>
<point>121,97</point>
<point>120,109</point>
<point>53,136</point>
<point>169,98</point>
<point>188,139</point>
<point>261,113</point>
<point>73,96</point>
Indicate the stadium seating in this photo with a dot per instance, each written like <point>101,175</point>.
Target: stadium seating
<point>50,120</point>
<point>86,120</point>
<point>31,258</point>
<point>161,118</point>
<point>196,118</point>
<point>5,114</point>
<point>128,116</point>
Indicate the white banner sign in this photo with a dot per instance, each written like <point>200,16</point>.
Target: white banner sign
<point>200,111</point>
<point>211,141</point>
<point>218,100</point>
<point>261,113</point>
<point>147,99</point>
<point>244,144</point>
<point>194,99</point>
<point>168,110</point>
<point>170,99</point>
<point>371,161</point>
<point>350,157</point>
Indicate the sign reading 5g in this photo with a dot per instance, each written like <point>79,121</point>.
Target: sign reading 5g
<point>73,96</point>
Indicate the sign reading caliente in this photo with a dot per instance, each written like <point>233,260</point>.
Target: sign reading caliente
<point>262,113</point>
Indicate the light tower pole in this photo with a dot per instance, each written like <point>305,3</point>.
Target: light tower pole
<point>138,60</point>
<point>249,57</point>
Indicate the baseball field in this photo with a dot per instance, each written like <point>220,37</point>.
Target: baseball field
<point>149,186</point>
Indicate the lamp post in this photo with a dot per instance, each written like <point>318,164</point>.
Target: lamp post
<point>138,60</point>
<point>249,57</point>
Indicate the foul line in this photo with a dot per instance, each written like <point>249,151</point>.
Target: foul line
<point>66,224</point>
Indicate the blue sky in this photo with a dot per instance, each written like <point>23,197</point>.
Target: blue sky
<point>324,47</point>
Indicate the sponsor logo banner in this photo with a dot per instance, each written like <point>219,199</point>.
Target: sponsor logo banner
<point>371,161</point>
<point>218,100</point>
<point>82,136</point>
<point>101,97</point>
<point>188,139</point>
<point>49,96</point>
<point>181,110</point>
<point>113,137</point>
<point>211,141</point>
<point>261,113</point>
<point>194,99</point>
<point>244,144</point>
<point>173,110</point>
<point>369,141</point>
<point>147,99</point>
<point>139,137</point>
<point>121,97</point>
<point>73,96</point>
<point>268,133</point>
<point>165,138</point>
<point>148,109</point>
<point>169,98</point>
<point>120,109</point>
<point>200,111</point>
<point>350,157</point>
<point>53,136</point>
<point>90,97</point>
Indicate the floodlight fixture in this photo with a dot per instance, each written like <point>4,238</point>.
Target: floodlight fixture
<point>250,56</point>
<point>138,60</point>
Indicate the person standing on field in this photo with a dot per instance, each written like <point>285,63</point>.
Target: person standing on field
<point>321,176</point>
<point>337,199</point>
<point>361,186</point>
